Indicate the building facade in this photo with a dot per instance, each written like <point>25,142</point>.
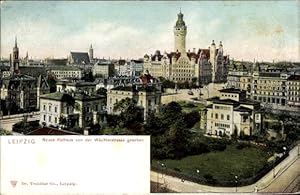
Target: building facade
<point>21,92</point>
<point>147,95</point>
<point>104,68</point>
<point>206,65</point>
<point>61,109</point>
<point>64,72</point>
<point>275,88</point>
<point>231,113</point>
<point>65,86</point>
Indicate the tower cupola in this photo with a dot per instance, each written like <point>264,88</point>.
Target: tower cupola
<point>180,31</point>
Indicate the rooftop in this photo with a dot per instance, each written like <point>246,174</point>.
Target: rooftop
<point>63,67</point>
<point>242,109</point>
<point>135,88</point>
<point>231,90</point>
<point>64,97</point>
<point>294,78</point>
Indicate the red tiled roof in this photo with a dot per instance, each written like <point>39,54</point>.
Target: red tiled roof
<point>51,131</point>
<point>146,78</point>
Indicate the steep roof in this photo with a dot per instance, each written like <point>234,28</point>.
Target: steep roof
<point>58,96</point>
<point>80,57</point>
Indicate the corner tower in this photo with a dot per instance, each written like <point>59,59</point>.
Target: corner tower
<point>180,31</point>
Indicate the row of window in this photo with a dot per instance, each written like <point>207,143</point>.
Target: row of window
<point>50,119</point>
<point>270,100</point>
<point>49,108</point>
<point>221,116</point>
<point>229,95</point>
<point>222,125</point>
<point>269,93</point>
<point>87,108</point>
<point>222,107</point>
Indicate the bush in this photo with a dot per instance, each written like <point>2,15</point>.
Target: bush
<point>190,105</point>
<point>242,145</point>
<point>218,146</point>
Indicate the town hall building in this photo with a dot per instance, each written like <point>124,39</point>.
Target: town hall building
<point>206,65</point>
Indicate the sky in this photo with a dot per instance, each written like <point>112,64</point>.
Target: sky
<point>261,30</point>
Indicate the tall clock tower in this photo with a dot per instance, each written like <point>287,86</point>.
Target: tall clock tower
<point>180,31</point>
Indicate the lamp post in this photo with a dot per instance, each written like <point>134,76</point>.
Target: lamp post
<point>273,162</point>
<point>162,165</point>
<point>236,181</point>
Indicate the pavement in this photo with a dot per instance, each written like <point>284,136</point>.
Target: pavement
<point>286,174</point>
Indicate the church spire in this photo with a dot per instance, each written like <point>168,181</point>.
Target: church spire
<point>16,44</point>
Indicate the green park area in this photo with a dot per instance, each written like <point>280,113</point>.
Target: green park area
<point>244,162</point>
<point>190,106</point>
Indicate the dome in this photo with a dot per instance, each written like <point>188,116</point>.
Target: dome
<point>180,21</point>
<point>157,53</point>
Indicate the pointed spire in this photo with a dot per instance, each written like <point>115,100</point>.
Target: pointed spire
<point>16,44</point>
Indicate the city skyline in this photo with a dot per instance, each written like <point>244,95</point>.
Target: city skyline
<point>248,30</point>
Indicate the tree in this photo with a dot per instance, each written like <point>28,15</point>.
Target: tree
<point>130,114</point>
<point>191,118</point>
<point>77,106</point>
<point>178,137</point>
<point>25,127</point>
<point>170,113</point>
<point>102,91</point>
<point>4,132</point>
<point>88,77</point>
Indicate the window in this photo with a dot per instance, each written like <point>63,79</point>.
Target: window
<point>55,119</point>
<point>49,108</point>
<point>216,116</point>
<point>44,108</point>
<point>212,115</point>
<point>55,109</point>
<point>228,117</point>
<point>44,117</point>
<point>222,117</point>
<point>50,119</point>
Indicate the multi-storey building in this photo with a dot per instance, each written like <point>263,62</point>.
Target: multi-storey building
<point>129,68</point>
<point>147,95</point>
<point>206,65</point>
<point>293,91</point>
<point>21,92</point>
<point>65,86</point>
<point>274,88</point>
<point>104,68</point>
<point>71,109</point>
<point>231,113</point>
<point>63,72</point>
